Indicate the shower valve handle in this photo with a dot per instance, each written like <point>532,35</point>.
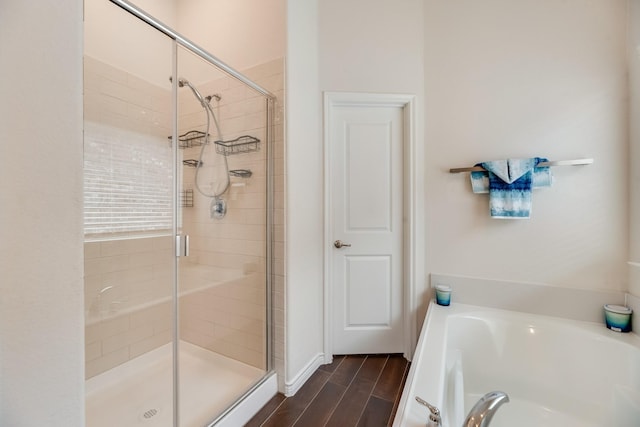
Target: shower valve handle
<point>340,244</point>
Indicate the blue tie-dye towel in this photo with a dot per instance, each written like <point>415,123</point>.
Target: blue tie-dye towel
<point>509,184</point>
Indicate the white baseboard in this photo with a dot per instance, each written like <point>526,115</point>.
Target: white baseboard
<point>292,387</point>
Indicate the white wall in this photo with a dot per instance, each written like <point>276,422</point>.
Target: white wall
<point>373,46</point>
<point>303,296</point>
<point>500,80</point>
<point>41,316</point>
<point>166,11</point>
<point>378,46</point>
<point>508,79</point>
<point>240,33</point>
<point>475,111</point>
<point>634,151</point>
<point>153,63</point>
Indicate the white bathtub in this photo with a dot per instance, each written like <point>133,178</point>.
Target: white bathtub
<point>557,372</point>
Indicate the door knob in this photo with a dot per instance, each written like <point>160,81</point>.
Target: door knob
<point>340,244</point>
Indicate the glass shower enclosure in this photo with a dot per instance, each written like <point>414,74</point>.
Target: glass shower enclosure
<point>178,201</point>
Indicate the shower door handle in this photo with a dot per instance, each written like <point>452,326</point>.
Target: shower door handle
<point>182,245</point>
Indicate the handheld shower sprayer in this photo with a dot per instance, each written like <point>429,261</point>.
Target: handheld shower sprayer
<point>218,208</point>
<point>182,82</point>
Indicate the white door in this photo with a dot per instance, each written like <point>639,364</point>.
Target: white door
<point>366,215</point>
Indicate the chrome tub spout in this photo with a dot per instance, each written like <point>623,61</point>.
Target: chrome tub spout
<point>483,411</point>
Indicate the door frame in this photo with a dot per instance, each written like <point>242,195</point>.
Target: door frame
<point>410,184</point>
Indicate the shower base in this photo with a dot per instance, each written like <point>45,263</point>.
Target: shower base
<point>140,392</point>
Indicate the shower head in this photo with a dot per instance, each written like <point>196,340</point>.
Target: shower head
<point>183,82</point>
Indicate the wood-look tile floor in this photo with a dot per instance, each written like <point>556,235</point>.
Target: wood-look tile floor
<point>354,390</point>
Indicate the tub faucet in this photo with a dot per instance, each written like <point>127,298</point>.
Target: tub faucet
<point>435,420</point>
<point>482,412</point>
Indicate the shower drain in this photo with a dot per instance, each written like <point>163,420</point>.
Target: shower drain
<point>150,413</point>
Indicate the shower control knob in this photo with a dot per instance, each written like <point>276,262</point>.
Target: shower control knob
<point>340,244</point>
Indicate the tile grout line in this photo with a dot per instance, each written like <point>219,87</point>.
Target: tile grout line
<point>273,412</point>
<point>305,408</point>
<point>371,394</point>
<point>405,369</point>
<point>317,393</point>
<point>372,389</point>
<point>396,401</point>
<point>346,388</point>
<point>310,402</point>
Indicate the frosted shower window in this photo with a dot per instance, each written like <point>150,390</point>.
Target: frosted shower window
<point>127,182</point>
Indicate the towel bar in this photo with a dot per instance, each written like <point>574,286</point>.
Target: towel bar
<point>576,162</point>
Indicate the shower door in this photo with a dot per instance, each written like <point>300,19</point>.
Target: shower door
<point>177,227</point>
<point>130,220</point>
<point>222,282</point>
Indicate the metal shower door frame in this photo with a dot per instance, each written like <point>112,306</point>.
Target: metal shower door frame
<point>270,99</point>
<point>188,44</point>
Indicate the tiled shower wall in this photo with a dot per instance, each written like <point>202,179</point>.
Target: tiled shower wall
<point>228,318</point>
<point>271,77</point>
<point>121,273</point>
<point>126,271</point>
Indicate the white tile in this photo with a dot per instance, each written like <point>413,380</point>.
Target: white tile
<point>161,103</point>
<point>256,217</point>
<point>230,335</point>
<point>113,247</point>
<point>278,268</point>
<point>92,333</point>
<point>114,89</point>
<point>234,93</point>
<point>137,275</point>
<point>278,284</point>
<point>279,233</point>
<point>94,66</point>
<point>106,362</point>
<point>278,200</point>
<point>266,69</point>
<point>114,263</point>
<point>163,325</point>
<point>150,343</point>
<point>113,326</point>
<point>279,218</point>
<point>92,266</point>
<point>273,83</point>
<point>91,250</point>
<point>278,316</point>
<point>142,259</point>
<point>92,350</point>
